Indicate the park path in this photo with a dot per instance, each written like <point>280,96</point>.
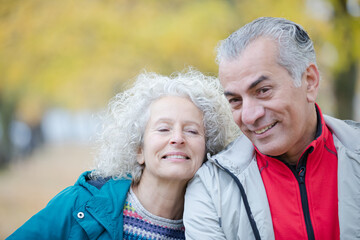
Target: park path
<point>27,185</point>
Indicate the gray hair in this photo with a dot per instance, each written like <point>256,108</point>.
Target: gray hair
<point>128,113</point>
<point>296,50</point>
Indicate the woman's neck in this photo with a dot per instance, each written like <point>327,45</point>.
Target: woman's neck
<point>163,199</point>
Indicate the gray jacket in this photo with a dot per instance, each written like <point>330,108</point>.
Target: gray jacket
<point>215,209</point>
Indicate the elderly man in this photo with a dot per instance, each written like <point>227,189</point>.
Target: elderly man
<point>295,173</point>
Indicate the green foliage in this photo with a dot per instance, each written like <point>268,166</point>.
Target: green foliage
<point>77,54</point>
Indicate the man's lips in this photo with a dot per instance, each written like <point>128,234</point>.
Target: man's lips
<point>264,129</point>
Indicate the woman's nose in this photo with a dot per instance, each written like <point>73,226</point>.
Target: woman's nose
<point>177,137</point>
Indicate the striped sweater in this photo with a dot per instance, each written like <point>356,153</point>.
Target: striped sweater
<point>141,224</point>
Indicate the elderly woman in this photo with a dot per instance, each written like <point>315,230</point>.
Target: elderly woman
<point>154,138</point>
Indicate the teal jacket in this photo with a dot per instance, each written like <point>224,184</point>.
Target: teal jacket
<point>83,211</point>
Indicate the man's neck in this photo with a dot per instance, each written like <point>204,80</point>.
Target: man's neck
<point>314,131</point>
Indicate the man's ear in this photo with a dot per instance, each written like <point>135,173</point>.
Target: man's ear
<point>312,80</point>
<point>140,156</point>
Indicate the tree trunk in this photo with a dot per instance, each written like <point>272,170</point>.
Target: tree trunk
<point>6,117</point>
<point>345,83</point>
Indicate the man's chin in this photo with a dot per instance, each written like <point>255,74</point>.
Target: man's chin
<point>268,150</point>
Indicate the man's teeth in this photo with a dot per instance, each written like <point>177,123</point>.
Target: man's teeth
<point>264,129</point>
<point>175,156</point>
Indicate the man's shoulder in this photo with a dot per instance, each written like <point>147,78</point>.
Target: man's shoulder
<point>353,124</point>
<point>346,131</point>
<point>338,123</point>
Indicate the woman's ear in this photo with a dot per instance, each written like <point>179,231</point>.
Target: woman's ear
<point>312,80</point>
<point>140,156</point>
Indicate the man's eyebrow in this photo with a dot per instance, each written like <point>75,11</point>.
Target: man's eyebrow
<point>259,80</point>
<point>252,85</point>
<point>228,93</point>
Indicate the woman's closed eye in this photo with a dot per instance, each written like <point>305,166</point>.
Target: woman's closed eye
<point>192,131</point>
<point>163,129</point>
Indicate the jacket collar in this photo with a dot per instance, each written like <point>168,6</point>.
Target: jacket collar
<point>236,156</point>
<point>105,207</point>
<point>347,132</point>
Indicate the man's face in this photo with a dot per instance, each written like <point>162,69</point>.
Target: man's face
<point>279,118</point>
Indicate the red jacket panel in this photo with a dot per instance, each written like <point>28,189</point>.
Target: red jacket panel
<point>307,190</point>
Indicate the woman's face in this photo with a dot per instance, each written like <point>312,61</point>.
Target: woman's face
<point>174,140</point>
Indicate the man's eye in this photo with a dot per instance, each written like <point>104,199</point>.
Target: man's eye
<point>234,100</point>
<point>263,90</point>
<point>235,103</point>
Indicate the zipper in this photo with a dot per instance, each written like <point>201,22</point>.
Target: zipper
<point>300,177</point>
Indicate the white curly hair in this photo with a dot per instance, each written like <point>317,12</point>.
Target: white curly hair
<point>128,112</point>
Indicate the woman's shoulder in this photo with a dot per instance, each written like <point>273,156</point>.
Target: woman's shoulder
<point>72,196</point>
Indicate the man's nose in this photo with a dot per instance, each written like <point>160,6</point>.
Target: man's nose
<point>251,111</point>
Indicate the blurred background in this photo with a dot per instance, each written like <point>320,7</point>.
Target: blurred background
<point>61,62</point>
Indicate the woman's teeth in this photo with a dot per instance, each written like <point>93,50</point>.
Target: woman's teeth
<point>175,156</point>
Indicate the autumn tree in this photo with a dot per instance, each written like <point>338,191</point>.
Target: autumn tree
<point>79,54</point>
<point>346,37</point>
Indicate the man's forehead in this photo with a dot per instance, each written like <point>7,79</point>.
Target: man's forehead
<point>263,49</point>
<point>229,69</point>
<point>231,89</point>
